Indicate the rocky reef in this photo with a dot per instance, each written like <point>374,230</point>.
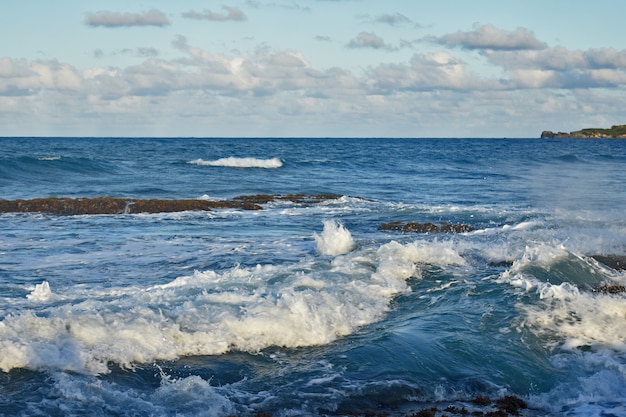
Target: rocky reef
<point>111,205</point>
<point>615,132</point>
<point>428,227</point>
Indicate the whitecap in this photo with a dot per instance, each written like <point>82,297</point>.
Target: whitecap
<point>233,162</point>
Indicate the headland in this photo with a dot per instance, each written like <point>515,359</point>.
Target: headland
<point>615,132</point>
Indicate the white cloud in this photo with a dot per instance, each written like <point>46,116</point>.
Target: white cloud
<point>140,52</point>
<point>286,5</point>
<point>269,72</point>
<point>110,19</point>
<point>232,13</point>
<point>20,77</point>
<point>557,59</point>
<point>560,59</point>
<point>322,38</point>
<point>491,37</point>
<point>606,58</point>
<point>425,72</point>
<point>368,40</point>
<point>559,67</point>
<point>279,92</point>
<point>533,78</point>
<point>393,19</point>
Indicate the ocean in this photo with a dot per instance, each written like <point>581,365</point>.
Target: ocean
<point>336,306</point>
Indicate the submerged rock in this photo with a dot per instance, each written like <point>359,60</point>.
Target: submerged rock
<point>416,227</point>
<point>111,205</point>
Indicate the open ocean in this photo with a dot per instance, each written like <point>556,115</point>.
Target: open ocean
<point>314,309</point>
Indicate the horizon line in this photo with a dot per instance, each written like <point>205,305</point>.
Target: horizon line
<point>264,137</point>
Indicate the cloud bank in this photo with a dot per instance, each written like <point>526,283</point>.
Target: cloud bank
<point>280,92</point>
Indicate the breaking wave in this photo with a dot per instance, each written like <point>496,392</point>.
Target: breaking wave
<point>311,302</point>
<point>233,162</point>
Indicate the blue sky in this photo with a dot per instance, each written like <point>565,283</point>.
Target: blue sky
<point>286,68</point>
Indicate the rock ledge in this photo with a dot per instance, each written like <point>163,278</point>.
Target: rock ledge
<point>112,205</point>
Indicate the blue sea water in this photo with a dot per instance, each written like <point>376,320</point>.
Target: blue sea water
<point>313,309</point>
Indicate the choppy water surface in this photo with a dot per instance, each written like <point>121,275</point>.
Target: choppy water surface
<point>313,309</point>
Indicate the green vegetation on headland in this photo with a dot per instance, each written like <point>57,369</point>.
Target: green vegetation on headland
<point>615,132</point>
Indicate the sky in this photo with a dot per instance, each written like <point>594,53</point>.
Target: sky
<point>310,68</point>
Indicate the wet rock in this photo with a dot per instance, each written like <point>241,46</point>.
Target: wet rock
<point>511,404</point>
<point>427,412</point>
<point>308,199</point>
<point>481,400</point>
<point>610,289</point>
<point>501,264</point>
<point>456,410</point>
<point>65,206</point>
<point>416,227</point>
<point>616,262</point>
<point>255,199</point>
<point>111,205</point>
<point>294,198</point>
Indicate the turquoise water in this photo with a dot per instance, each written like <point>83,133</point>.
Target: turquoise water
<point>312,309</point>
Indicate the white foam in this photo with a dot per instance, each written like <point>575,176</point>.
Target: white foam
<point>307,303</point>
<point>527,225</point>
<point>579,318</point>
<point>41,293</point>
<point>334,240</point>
<point>188,396</point>
<point>194,395</point>
<point>542,255</point>
<point>206,197</point>
<point>562,313</point>
<point>441,253</point>
<point>233,162</point>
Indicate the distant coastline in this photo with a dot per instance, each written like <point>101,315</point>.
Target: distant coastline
<point>615,132</point>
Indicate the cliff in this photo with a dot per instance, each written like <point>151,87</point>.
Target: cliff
<point>615,132</point>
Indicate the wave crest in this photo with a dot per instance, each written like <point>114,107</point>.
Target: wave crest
<point>233,162</point>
